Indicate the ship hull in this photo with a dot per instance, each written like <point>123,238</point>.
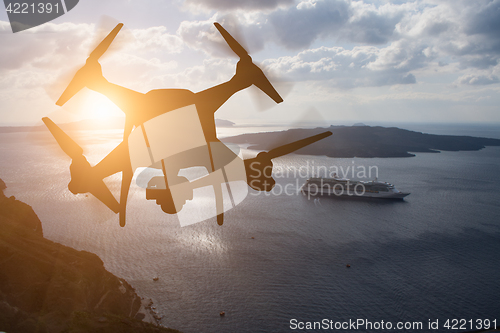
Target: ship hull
<point>350,189</point>
<point>313,193</point>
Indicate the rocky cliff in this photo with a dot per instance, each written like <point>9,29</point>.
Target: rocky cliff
<point>48,287</point>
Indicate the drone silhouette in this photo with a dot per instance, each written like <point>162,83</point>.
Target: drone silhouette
<point>171,130</point>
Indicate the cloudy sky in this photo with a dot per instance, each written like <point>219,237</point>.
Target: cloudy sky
<point>349,61</point>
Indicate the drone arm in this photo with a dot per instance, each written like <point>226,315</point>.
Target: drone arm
<point>210,100</point>
<point>113,162</point>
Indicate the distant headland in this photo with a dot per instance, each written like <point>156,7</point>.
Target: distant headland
<point>364,141</point>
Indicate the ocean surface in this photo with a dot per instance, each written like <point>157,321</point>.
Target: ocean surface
<point>279,261</point>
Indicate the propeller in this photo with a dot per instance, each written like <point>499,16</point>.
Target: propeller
<point>291,147</point>
<point>260,80</point>
<point>81,171</point>
<point>70,147</point>
<point>232,43</point>
<point>310,118</point>
<point>104,45</point>
<point>104,195</point>
<point>77,83</point>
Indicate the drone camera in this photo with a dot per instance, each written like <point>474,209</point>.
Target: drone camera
<point>157,190</point>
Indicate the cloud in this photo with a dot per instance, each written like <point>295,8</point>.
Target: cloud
<point>135,72</point>
<point>39,47</point>
<point>53,49</point>
<point>484,18</point>
<point>402,56</point>
<point>468,31</point>
<point>477,80</point>
<point>417,33</point>
<point>371,25</point>
<point>297,27</point>
<point>482,27</point>
<point>156,39</point>
<point>55,45</point>
<point>226,5</point>
<point>196,78</point>
<point>201,35</point>
<point>363,66</point>
<point>347,21</point>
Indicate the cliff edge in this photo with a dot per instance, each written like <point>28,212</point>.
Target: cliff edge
<point>48,287</point>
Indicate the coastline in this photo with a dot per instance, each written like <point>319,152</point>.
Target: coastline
<point>48,287</point>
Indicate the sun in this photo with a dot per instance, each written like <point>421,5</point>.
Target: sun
<point>99,107</point>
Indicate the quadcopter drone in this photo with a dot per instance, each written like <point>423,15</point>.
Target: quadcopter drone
<point>171,130</point>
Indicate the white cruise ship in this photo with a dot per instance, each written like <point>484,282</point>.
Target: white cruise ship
<point>351,188</point>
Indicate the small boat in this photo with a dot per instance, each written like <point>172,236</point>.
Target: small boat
<point>156,278</point>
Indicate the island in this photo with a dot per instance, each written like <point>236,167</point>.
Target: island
<point>49,287</point>
<point>364,141</point>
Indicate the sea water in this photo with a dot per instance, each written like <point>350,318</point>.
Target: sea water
<point>281,259</point>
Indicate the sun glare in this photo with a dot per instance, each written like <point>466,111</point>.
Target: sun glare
<point>99,107</point>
